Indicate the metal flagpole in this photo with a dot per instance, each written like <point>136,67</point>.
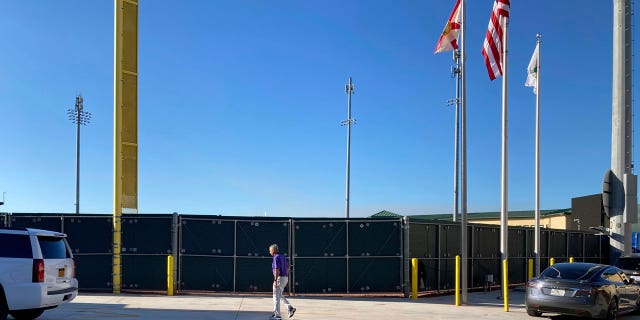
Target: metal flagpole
<point>504,208</point>
<point>463,160</point>
<point>455,71</point>
<point>537,214</point>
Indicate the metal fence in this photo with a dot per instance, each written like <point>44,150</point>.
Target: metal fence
<point>230,254</point>
<point>436,245</point>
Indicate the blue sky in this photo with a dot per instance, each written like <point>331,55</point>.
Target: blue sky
<point>240,104</point>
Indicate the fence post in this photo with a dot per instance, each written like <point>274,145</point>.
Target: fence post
<point>414,278</point>
<point>505,284</point>
<point>457,280</point>
<point>169,275</point>
<point>406,254</point>
<point>175,251</point>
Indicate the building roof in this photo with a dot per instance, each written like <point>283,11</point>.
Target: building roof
<point>525,214</point>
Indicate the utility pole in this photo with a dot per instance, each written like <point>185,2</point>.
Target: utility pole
<point>349,88</point>
<point>80,117</point>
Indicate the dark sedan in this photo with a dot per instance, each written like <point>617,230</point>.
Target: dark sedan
<point>582,289</point>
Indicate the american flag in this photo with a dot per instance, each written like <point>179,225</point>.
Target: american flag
<point>492,48</point>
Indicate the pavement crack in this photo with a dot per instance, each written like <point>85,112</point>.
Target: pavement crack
<point>239,307</point>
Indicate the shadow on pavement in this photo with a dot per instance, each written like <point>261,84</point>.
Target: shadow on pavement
<point>120,311</point>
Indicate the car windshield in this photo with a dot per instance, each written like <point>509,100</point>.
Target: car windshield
<point>571,271</point>
<point>628,263</point>
<point>53,248</point>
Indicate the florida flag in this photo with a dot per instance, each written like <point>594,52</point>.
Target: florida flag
<point>449,39</point>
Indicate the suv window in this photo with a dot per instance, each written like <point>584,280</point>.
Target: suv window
<point>53,248</point>
<point>628,263</point>
<point>15,246</point>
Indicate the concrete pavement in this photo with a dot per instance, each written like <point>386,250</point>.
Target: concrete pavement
<point>190,307</point>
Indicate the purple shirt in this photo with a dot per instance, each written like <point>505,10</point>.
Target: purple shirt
<point>280,262</point>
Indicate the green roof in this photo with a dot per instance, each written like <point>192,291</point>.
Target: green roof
<point>477,215</point>
<point>386,214</point>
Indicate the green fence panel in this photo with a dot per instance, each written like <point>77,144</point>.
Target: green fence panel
<point>558,244</point>
<point>486,272</point>
<point>89,234</point>
<point>320,275</point>
<point>427,274</point>
<point>202,273</point>
<point>146,234</point>
<point>325,238</point>
<point>207,237</point>
<point>94,271</point>
<point>253,274</point>
<point>254,237</point>
<point>486,242</point>
<point>449,241</point>
<point>517,270</point>
<point>374,238</point>
<point>447,274</point>
<point>375,275</point>
<point>517,243</point>
<point>592,245</point>
<point>44,222</point>
<point>144,272</point>
<point>423,240</point>
<point>576,244</point>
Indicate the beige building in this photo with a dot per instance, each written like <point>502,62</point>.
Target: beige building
<point>585,212</point>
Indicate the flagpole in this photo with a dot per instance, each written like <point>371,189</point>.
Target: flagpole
<point>504,210</point>
<point>463,155</point>
<point>456,166</point>
<point>537,214</point>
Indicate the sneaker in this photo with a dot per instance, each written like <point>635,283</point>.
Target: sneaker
<point>291,312</point>
<point>274,317</point>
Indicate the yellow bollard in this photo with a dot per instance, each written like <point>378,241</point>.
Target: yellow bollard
<point>457,281</point>
<point>414,278</point>
<point>169,275</point>
<point>505,284</point>
<point>530,268</point>
<point>570,259</point>
<point>552,261</point>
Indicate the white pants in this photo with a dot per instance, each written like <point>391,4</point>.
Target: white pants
<point>278,289</point>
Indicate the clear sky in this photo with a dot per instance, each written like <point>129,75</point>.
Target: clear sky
<point>240,104</point>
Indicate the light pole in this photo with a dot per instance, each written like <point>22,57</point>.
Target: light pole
<point>80,117</point>
<point>349,88</point>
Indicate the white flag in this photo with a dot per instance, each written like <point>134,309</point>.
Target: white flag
<point>532,71</point>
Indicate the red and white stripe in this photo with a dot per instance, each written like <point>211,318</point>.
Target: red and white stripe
<point>492,48</point>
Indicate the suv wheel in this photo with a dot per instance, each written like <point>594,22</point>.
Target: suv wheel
<point>28,314</point>
<point>3,306</point>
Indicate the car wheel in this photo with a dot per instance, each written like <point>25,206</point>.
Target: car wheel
<point>612,312</point>
<point>3,306</point>
<point>28,314</point>
<point>534,313</point>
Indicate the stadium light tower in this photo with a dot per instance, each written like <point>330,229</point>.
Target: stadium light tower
<point>80,117</point>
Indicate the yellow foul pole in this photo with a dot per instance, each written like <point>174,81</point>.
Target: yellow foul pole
<point>125,141</point>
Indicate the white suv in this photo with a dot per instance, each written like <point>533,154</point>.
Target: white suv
<point>37,272</point>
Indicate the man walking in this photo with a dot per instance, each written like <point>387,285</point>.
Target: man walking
<point>280,270</point>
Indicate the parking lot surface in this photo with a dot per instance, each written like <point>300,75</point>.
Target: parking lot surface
<point>481,305</point>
